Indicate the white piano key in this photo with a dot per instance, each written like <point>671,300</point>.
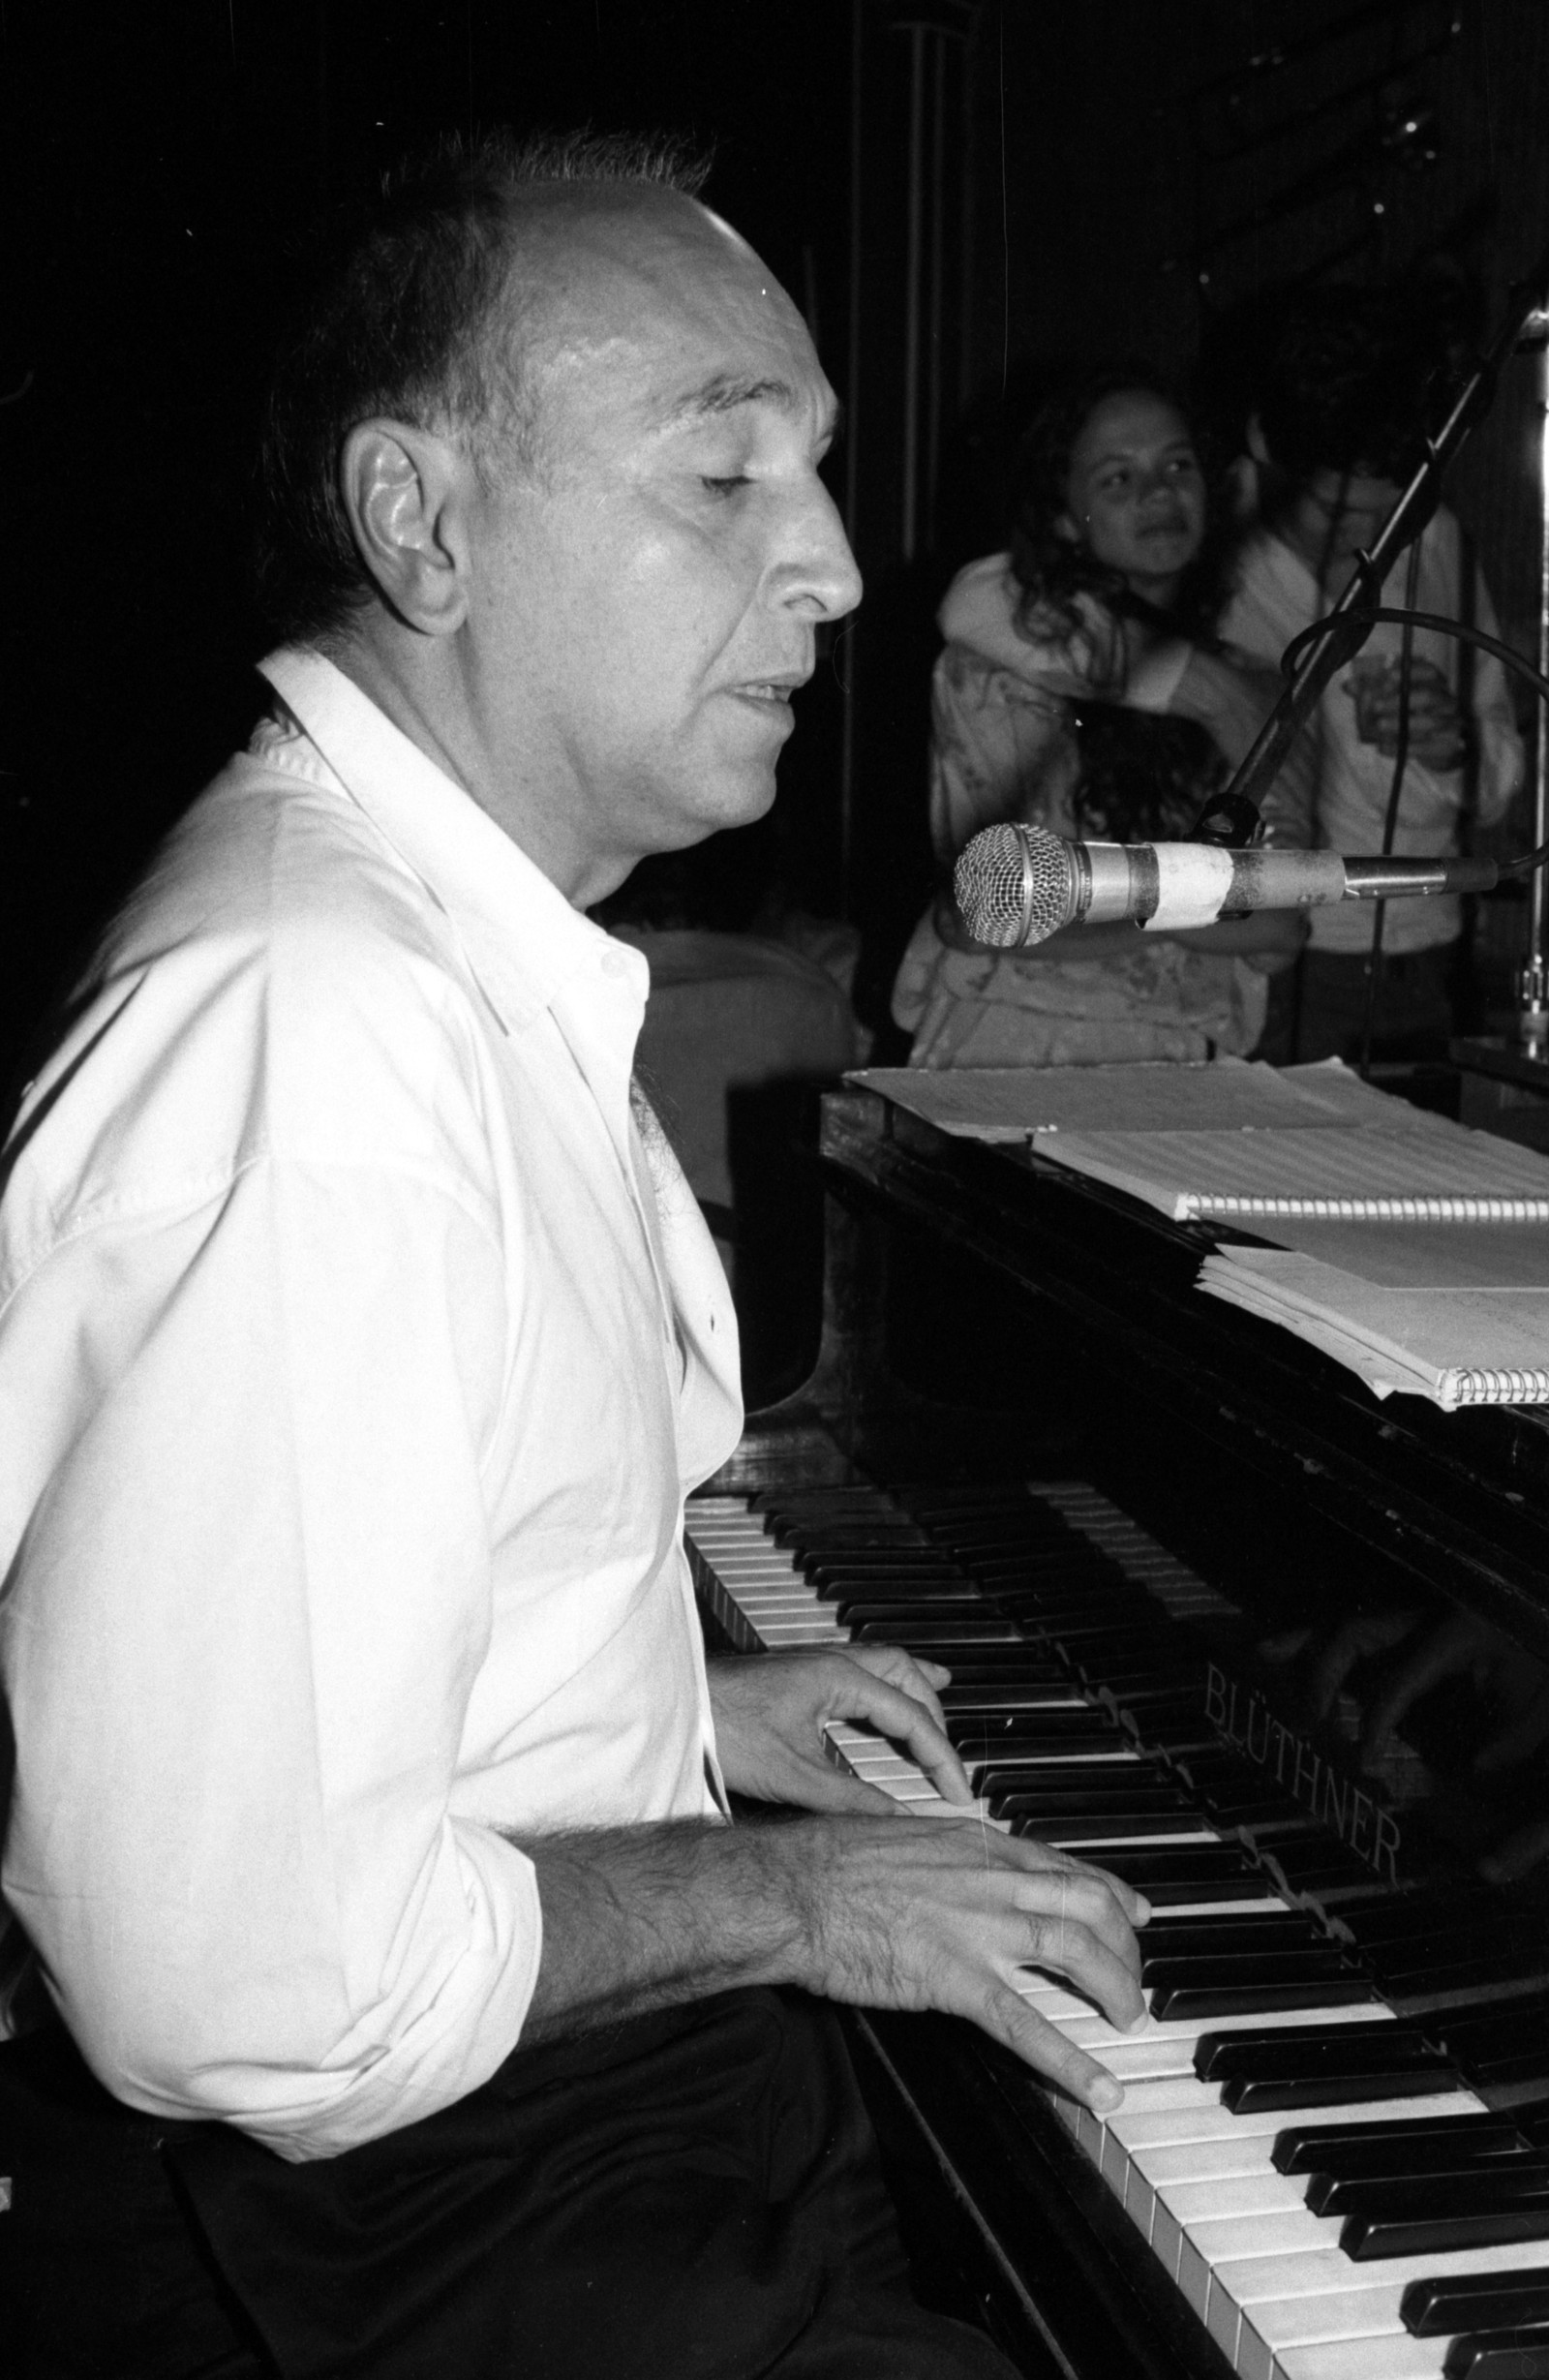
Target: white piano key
<point>1399,2358</point>
<point>1267,2020</point>
<point>1205,2119</point>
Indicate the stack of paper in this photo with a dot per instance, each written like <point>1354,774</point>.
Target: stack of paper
<point>1413,1251</point>
<point>1009,1103</point>
<point>1457,1345</point>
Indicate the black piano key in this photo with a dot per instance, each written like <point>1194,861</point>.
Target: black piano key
<point>1171,1730</point>
<point>1248,2096</point>
<point>1307,2067</point>
<point>864,1553</point>
<point>1499,2355</point>
<point>1073,1588</point>
<point>1465,2173</point>
<point>1180,2004</point>
<point>1443,1984</point>
<point>1069,1771</point>
<point>881,1620</point>
<point>1008,1771</point>
<point>1025,1725</point>
<point>983,1646</point>
<point>1314,2148</point>
<point>1044,1766</point>
<point>1065,1831</point>
<point>1425,2218</point>
<point>837,1537</point>
<point>836,1580</point>
<point>1475,2301</point>
<point>1271,1819</point>
<point>1276,1963</point>
<point>1287,1928</point>
<point>1360,2048</point>
<point>1102,1800</point>
<point>1211,1866</point>
<point>1178,1681</point>
<point>975,1691</point>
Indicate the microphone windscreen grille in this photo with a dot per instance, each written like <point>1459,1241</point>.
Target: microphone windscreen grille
<point>1013,885</point>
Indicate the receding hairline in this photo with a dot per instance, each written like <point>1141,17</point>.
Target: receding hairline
<point>548,258</point>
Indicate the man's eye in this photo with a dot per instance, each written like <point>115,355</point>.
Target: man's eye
<point>725,487</point>
<point>1114,485</point>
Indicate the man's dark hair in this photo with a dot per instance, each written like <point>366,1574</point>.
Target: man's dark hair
<point>1053,568</point>
<point>1352,382</point>
<point>411,314</point>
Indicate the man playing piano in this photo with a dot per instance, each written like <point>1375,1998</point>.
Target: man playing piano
<point>421,2012</point>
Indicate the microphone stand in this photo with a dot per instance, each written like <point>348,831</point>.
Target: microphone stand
<point>1532,979</point>
<point>1344,635</point>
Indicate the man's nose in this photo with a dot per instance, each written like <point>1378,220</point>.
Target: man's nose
<point>823,577</point>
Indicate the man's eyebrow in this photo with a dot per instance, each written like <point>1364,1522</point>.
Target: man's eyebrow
<point>725,391</point>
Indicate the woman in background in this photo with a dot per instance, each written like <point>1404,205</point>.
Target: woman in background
<point>1083,688</point>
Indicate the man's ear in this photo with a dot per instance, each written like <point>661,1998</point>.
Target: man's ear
<point>1258,444</point>
<point>400,487</point>
<point>1065,526</point>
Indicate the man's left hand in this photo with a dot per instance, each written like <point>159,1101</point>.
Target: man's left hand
<point>771,1710</point>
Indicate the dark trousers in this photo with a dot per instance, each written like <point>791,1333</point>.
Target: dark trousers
<point>692,2196</point>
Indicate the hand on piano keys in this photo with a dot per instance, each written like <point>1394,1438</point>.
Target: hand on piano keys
<point>951,1917</point>
<point>772,1717</point>
<point>923,1916</point>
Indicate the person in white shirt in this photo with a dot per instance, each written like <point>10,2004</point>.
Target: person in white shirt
<point>1337,432</point>
<point>360,1342</point>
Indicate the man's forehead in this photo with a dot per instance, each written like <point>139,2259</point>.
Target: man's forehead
<point>670,312</point>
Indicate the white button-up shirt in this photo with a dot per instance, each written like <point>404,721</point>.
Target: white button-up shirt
<point>356,1359</point>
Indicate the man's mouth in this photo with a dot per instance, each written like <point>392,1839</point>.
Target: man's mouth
<point>772,689</point>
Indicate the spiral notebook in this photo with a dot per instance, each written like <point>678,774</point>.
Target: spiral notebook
<point>1457,1346</point>
<point>1433,1173</point>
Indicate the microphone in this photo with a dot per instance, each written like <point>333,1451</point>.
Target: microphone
<point>1016,885</point>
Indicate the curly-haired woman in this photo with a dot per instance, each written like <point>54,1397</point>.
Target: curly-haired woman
<point>1083,687</point>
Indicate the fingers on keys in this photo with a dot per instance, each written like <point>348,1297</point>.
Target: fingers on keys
<point>905,1709</point>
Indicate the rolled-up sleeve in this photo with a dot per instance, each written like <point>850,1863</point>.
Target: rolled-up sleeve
<point>249,1598</point>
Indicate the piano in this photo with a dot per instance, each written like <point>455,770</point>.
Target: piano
<point>1178,1561</point>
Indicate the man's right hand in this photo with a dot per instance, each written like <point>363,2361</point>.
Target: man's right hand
<point>948,1914</point>
<point>879,1912</point>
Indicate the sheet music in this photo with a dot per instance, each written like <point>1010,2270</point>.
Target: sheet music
<point>1007,1103</point>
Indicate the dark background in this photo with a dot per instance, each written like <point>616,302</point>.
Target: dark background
<point>959,195</point>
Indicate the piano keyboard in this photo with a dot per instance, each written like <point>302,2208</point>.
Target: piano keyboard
<point>1266,2274</point>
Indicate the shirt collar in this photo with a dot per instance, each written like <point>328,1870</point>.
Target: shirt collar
<point>526,943</point>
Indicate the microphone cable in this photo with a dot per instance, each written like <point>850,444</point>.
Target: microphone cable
<point>1401,760</point>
